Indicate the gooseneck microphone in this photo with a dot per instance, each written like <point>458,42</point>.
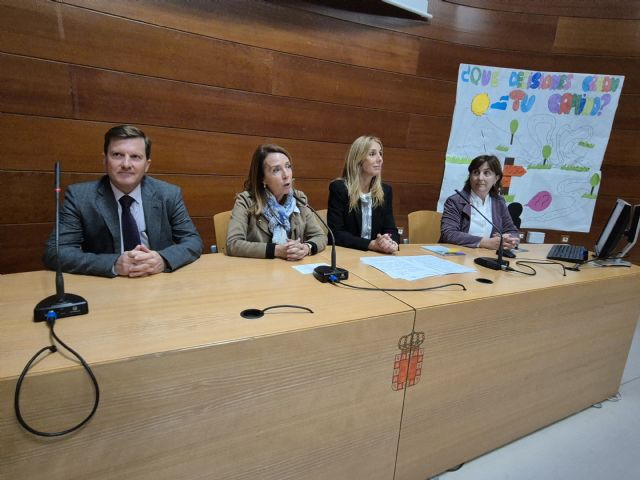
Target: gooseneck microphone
<point>488,262</point>
<point>50,309</point>
<point>62,304</point>
<point>323,273</point>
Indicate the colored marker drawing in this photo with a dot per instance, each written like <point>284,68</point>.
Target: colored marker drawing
<point>557,197</point>
<point>554,126</point>
<point>540,201</point>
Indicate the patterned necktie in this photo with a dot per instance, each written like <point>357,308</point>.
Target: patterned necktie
<point>130,233</point>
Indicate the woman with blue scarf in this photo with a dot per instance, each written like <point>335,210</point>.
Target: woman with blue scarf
<point>267,221</point>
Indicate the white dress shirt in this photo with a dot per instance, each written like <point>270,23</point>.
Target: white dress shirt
<point>479,226</point>
<point>365,210</point>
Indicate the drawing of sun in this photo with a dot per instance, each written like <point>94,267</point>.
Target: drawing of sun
<point>480,104</point>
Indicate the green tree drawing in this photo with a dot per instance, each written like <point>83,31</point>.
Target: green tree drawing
<point>546,153</point>
<point>595,181</point>
<point>514,128</point>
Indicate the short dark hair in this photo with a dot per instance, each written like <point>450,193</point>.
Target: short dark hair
<point>254,184</point>
<point>494,164</point>
<point>126,131</point>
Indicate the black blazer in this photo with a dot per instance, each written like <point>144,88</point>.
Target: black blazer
<point>347,226</point>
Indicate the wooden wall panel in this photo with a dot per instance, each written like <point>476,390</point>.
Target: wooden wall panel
<point>504,33</point>
<point>209,81</point>
<point>408,197</point>
<point>23,246</point>
<point>442,60</point>
<point>204,225</point>
<point>415,166</point>
<point>37,87</point>
<point>34,191</point>
<point>451,23</point>
<point>485,27</point>
<point>331,82</point>
<point>628,113</point>
<point>619,181</point>
<point>604,206</point>
<point>599,9</point>
<point>623,148</point>
<point>429,132</point>
<point>519,32</point>
<point>204,195</point>
<point>35,143</point>
<point>74,35</point>
<point>115,97</point>
<point>597,36</point>
<point>267,25</point>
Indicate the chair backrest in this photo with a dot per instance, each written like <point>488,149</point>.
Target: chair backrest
<point>515,210</point>
<point>424,226</point>
<point>323,215</point>
<point>221,225</point>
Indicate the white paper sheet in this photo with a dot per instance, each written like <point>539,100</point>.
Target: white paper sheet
<point>415,267</point>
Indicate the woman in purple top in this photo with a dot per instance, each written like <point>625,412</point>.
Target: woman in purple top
<point>463,225</point>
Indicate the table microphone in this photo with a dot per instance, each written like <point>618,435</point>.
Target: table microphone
<point>323,273</point>
<point>488,262</point>
<point>63,304</point>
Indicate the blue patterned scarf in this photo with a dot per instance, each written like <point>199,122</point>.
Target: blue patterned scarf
<point>278,217</point>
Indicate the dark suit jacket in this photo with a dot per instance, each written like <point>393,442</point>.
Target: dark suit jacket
<point>456,220</point>
<point>347,225</point>
<point>90,228</point>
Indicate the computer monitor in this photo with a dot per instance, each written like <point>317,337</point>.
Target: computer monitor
<point>634,230</point>
<point>623,222</point>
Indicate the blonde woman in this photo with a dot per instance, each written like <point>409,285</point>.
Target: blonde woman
<point>360,212</point>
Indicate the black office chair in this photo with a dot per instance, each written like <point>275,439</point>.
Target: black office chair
<point>515,210</point>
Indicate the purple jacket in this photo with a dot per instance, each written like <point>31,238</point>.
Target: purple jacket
<point>456,219</point>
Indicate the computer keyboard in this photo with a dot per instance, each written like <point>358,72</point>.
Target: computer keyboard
<point>568,253</point>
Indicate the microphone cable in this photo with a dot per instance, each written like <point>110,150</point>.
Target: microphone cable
<point>576,267</point>
<point>51,320</point>
<point>525,262</point>
<point>377,289</point>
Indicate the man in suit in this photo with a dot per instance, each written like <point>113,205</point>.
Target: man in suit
<point>126,223</point>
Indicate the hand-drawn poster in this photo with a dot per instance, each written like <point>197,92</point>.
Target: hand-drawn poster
<point>550,131</point>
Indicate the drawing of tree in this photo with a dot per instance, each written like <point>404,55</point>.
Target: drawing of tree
<point>514,128</point>
<point>595,181</point>
<point>546,153</point>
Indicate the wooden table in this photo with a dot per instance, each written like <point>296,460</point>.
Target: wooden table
<point>190,389</point>
<point>502,360</point>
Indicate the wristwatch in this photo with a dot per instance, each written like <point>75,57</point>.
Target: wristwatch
<point>310,248</point>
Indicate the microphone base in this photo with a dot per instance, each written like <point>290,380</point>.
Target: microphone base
<point>67,306</point>
<point>492,263</point>
<point>326,274</point>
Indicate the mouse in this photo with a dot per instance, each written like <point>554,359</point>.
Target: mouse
<point>508,253</point>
